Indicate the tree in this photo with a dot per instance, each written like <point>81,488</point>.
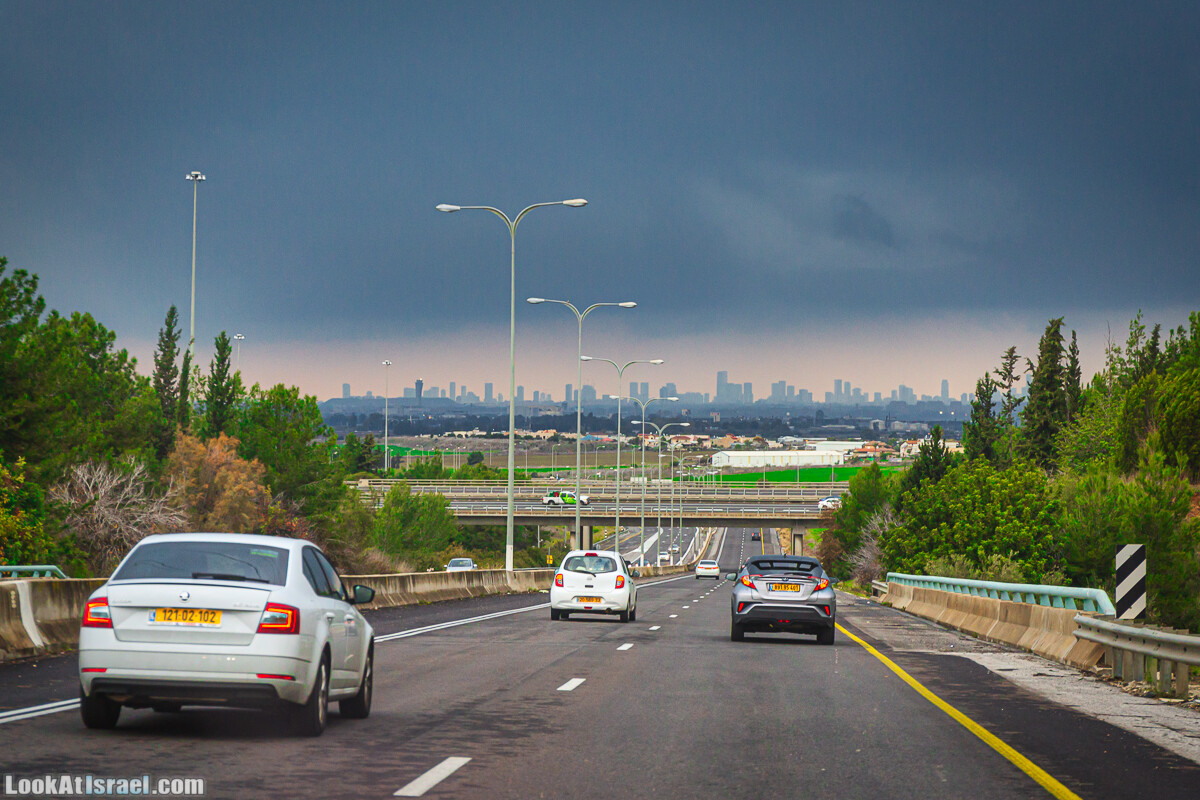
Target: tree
<point>1178,408</point>
<point>1139,420</point>
<point>1046,412</point>
<point>1007,378</point>
<point>185,399</point>
<point>1090,439</point>
<point>284,431</point>
<point>23,535</point>
<point>410,522</point>
<point>166,384</point>
<point>358,455</point>
<point>1074,380</point>
<point>870,493</point>
<point>475,458</point>
<point>112,508</point>
<point>221,492</point>
<point>932,462</point>
<point>984,430</point>
<point>224,390</point>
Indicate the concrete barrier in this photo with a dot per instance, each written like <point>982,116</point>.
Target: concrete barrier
<point>1046,631</point>
<point>58,608</point>
<point>16,640</point>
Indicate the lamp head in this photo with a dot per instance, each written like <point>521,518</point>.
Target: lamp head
<point>657,361</point>
<point>194,176</point>
<point>585,358</point>
<point>685,424</point>
<point>672,399</point>
<point>387,363</point>
<point>577,203</point>
<point>628,304</point>
<point>535,300</point>
<point>448,208</point>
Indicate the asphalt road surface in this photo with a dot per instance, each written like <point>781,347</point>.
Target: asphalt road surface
<point>517,706</point>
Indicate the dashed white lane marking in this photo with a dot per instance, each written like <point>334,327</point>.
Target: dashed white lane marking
<point>572,685</point>
<point>655,627</point>
<point>687,606</point>
<point>432,778</point>
<point>673,616</point>
<point>625,646</point>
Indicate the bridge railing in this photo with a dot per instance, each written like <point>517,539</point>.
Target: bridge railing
<point>1095,600</point>
<point>599,489</point>
<point>31,571</point>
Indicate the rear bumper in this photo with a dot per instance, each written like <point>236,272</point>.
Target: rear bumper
<point>791,617</point>
<point>143,692</point>
<point>610,602</point>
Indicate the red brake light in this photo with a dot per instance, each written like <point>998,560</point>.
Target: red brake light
<point>558,579</point>
<point>269,677</point>
<point>94,669</point>
<point>96,614</point>
<point>749,581</point>
<point>821,584</point>
<point>278,618</point>
<point>591,554</point>
<point>620,581</point>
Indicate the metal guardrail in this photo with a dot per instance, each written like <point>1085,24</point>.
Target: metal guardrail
<point>602,489</point>
<point>878,588</point>
<point>1035,594</point>
<point>1131,645</point>
<point>35,571</point>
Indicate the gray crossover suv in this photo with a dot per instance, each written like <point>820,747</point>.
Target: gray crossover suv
<point>782,594</point>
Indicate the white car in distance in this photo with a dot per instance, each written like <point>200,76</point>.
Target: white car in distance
<point>461,565</point>
<point>226,619</point>
<point>708,569</point>
<point>829,504</point>
<point>595,582</point>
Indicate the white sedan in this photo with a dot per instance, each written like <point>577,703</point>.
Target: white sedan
<point>829,504</point>
<point>226,619</point>
<point>461,565</point>
<point>708,569</point>
<point>596,582</point>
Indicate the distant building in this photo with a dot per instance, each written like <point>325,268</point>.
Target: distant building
<point>345,391</point>
<point>419,389</point>
<point>487,393</point>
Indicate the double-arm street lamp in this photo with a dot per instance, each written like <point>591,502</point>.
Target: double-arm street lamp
<point>660,429</point>
<point>642,445</point>
<point>387,454</point>
<point>620,368</point>
<point>512,346</point>
<point>579,315</point>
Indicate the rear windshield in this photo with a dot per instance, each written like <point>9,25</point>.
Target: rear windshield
<point>592,564</point>
<point>460,562</point>
<point>228,561</point>
<point>708,563</point>
<point>785,568</point>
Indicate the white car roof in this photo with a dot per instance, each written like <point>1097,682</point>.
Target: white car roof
<point>283,542</point>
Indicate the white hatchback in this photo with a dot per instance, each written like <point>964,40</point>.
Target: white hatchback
<point>596,582</point>
<point>708,569</point>
<point>225,619</point>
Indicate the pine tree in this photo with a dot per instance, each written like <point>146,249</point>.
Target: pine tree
<point>1046,412</point>
<point>1007,378</point>
<point>185,400</point>
<point>166,383</point>
<point>984,429</point>
<point>1074,380</point>
<point>222,390</point>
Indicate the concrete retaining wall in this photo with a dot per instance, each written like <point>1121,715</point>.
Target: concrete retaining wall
<point>1049,632</point>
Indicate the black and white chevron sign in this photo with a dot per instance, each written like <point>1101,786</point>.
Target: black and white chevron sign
<point>1131,581</point>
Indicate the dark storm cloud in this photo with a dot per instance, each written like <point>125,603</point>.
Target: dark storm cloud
<point>759,161</point>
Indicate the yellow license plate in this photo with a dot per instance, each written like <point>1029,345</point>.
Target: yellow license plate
<point>784,587</point>
<point>206,617</point>
<point>590,600</point>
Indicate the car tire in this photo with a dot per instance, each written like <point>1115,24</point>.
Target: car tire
<point>624,616</point>
<point>633,613</point>
<point>825,635</point>
<point>359,706</point>
<point>310,718</point>
<point>736,632</point>
<point>554,615</point>
<point>98,711</point>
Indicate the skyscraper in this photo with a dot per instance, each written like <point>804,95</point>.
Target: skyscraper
<point>722,383</point>
<point>520,394</point>
<point>945,391</point>
<point>418,388</point>
<point>569,395</point>
<point>345,391</point>
<point>837,390</point>
<point>644,394</point>
<point>748,393</point>
<point>452,394</point>
<point>487,393</point>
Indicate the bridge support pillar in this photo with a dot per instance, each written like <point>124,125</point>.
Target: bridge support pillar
<point>585,538</point>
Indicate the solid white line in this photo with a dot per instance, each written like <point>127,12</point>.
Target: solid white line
<point>572,685</point>
<point>655,627</point>
<point>625,646</point>
<point>18,714</point>
<point>432,778</point>
<point>455,623</point>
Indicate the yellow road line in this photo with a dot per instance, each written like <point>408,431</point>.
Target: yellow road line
<point>1044,779</point>
<point>763,541</point>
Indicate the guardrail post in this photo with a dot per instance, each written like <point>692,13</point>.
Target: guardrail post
<point>1181,680</point>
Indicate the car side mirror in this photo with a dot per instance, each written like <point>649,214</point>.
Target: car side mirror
<point>731,576</point>
<point>362,595</point>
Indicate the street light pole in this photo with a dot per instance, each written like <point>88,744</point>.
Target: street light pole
<point>579,315</point>
<point>620,377</point>
<point>237,337</point>
<point>660,429</point>
<point>642,446</point>
<point>195,177</point>
<point>512,347</point>
<point>387,454</point>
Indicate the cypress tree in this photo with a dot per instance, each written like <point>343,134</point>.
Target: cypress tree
<point>166,383</point>
<point>984,429</point>
<point>1046,412</point>
<point>185,400</point>
<point>222,390</point>
<point>1074,380</point>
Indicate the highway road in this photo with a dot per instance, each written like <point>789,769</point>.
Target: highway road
<point>488,698</point>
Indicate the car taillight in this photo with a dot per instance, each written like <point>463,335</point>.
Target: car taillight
<point>826,610</point>
<point>266,676</point>
<point>821,584</point>
<point>96,614</point>
<point>748,581</point>
<point>278,618</point>
<point>591,554</point>
<point>94,669</point>
<point>620,581</point>
<point>558,579</point>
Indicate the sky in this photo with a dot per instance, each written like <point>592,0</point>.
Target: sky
<point>879,192</point>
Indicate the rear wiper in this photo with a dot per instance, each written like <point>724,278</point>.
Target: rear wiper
<point>585,572</point>
<point>226,576</point>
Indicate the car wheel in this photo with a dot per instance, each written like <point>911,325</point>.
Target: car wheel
<point>554,615</point>
<point>98,711</point>
<point>825,635</point>
<point>736,632</point>
<point>624,615</point>
<point>633,613</point>
<point>359,706</point>
<point>167,708</point>
<point>311,717</point>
